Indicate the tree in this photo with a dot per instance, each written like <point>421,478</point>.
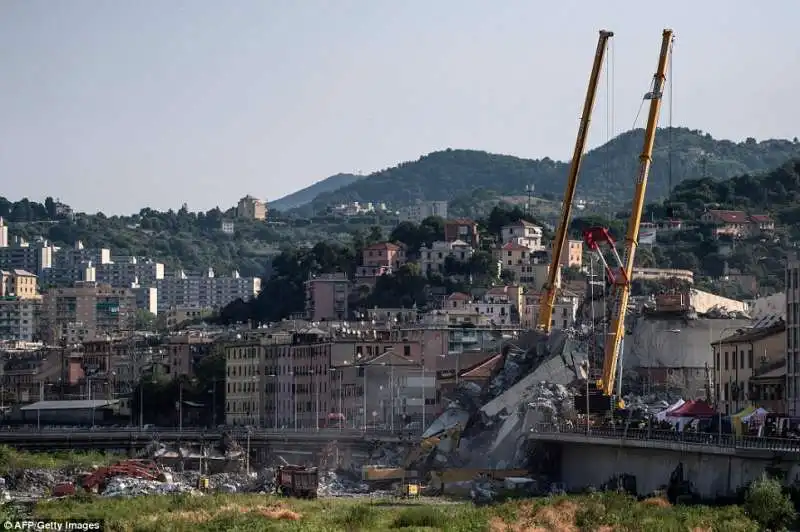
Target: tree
<point>766,504</point>
<point>144,320</point>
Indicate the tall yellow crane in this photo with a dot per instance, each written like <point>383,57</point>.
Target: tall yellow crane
<point>548,298</point>
<point>620,276</point>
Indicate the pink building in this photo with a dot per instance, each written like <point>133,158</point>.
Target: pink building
<point>326,297</point>
<point>383,254</point>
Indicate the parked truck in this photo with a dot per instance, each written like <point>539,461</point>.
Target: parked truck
<point>297,481</point>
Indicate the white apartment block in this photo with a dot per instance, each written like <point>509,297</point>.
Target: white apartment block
<point>432,259</point>
<point>523,234</point>
<point>129,271</point>
<point>420,210</point>
<point>793,336</point>
<point>204,291</point>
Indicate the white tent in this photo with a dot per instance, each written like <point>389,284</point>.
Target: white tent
<point>661,416</point>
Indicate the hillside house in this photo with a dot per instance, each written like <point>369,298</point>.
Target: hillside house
<point>383,254</point>
<point>432,259</point>
<point>462,229</point>
<point>522,233</point>
<point>738,224</point>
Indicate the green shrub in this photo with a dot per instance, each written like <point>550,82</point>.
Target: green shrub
<point>421,517</point>
<point>358,517</point>
<point>766,504</point>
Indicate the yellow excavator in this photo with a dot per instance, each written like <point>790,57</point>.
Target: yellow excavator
<point>598,397</point>
<point>548,298</point>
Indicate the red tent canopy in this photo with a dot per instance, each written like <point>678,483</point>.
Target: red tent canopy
<point>693,409</point>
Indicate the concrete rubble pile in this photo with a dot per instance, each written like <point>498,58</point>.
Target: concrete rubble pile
<point>132,487</point>
<point>36,482</point>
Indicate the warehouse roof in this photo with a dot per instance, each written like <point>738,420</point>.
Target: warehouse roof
<point>80,404</point>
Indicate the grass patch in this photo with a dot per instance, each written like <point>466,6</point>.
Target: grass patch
<point>605,512</point>
<point>14,460</point>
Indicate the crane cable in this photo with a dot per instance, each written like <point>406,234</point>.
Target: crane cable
<point>671,80</point>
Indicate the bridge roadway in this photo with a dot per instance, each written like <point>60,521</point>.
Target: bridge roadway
<point>716,464</point>
<point>133,438</point>
<point>701,442</point>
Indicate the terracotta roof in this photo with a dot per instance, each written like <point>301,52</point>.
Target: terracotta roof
<point>383,245</point>
<point>730,217</point>
<point>458,296</point>
<point>761,218</point>
<point>460,221</point>
<point>511,246</point>
<point>497,291</point>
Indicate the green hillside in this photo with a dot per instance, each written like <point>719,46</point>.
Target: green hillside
<point>307,195</point>
<point>607,172</point>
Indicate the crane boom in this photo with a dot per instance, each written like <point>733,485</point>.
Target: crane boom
<point>548,299</point>
<point>623,285</point>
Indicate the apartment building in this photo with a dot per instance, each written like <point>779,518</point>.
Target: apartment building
<point>280,378</point>
<point>572,254</point>
<point>522,233</point>
<point>3,233</point>
<point>95,309</point>
<point>129,271</point>
<point>20,255</point>
<point>182,353</point>
<point>741,356</point>
<point>19,305</point>
<point>565,310</point>
<point>793,335</point>
<point>29,375</point>
<point>462,229</point>
<point>386,391</point>
<point>420,210</point>
<point>327,297</point>
<point>251,208</point>
<point>432,259</point>
<point>204,291</point>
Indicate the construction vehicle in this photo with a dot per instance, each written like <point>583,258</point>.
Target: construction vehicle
<point>599,395</point>
<point>548,300</point>
<point>297,481</point>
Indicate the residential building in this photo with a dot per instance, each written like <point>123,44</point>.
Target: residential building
<point>204,291</point>
<point>432,259</point>
<point>383,254</point>
<point>572,255</point>
<point>661,274</point>
<point>327,297</point>
<point>227,227</point>
<point>3,234</point>
<point>522,233</point>
<point>20,255</point>
<point>178,316</point>
<point>386,391</point>
<point>761,224</point>
<point>146,299</point>
<point>793,335</point>
<point>183,352</point>
<point>97,308</point>
<point>420,210</point>
<point>29,375</point>
<point>739,356</point>
<point>251,208</point>
<point>19,305</point>
<point>462,229</point>
<point>738,224</point>
<point>128,271</point>
<point>565,310</point>
<point>280,378</point>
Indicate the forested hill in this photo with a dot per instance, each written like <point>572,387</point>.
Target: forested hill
<point>607,172</point>
<point>307,195</point>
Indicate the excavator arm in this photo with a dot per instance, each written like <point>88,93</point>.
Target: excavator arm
<point>548,298</point>
<point>620,275</point>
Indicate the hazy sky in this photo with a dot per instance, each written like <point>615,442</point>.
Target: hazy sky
<point>114,105</point>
